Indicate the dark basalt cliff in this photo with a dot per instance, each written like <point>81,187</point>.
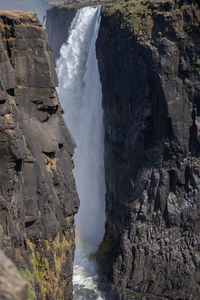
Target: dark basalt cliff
<point>59,19</point>
<point>149,61</point>
<point>38,198</point>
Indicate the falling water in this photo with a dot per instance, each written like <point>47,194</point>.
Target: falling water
<point>80,95</point>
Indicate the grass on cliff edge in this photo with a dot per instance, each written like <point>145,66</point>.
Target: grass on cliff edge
<point>17,14</point>
<point>139,16</point>
<point>134,15</point>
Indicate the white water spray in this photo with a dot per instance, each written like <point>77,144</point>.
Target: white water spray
<point>80,95</point>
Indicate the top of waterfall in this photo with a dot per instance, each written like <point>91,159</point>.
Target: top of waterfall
<point>75,4</point>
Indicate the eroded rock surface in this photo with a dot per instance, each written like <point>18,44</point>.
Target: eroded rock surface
<point>149,61</point>
<point>38,198</point>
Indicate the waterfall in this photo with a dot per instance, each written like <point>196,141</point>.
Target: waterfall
<point>80,95</point>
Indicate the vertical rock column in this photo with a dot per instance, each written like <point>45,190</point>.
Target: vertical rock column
<point>149,62</point>
<point>38,198</point>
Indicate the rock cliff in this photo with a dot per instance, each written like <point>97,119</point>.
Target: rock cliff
<point>149,61</point>
<point>38,198</point>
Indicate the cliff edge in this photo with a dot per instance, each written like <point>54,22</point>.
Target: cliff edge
<point>149,61</point>
<point>38,198</point>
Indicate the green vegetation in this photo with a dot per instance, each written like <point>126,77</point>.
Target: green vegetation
<point>104,252</point>
<point>46,275</point>
<point>47,245</point>
<point>193,69</point>
<point>134,295</point>
<point>132,15</point>
<point>131,295</point>
<point>37,270</point>
<point>28,276</point>
<point>149,19</point>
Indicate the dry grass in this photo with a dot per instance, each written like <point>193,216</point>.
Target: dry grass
<point>17,14</point>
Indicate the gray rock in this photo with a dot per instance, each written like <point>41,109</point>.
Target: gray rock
<point>12,285</point>
<point>38,198</point>
<point>150,81</point>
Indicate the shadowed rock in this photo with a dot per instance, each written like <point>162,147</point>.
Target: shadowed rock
<point>149,61</point>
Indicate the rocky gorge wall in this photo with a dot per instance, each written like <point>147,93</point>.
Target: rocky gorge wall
<point>38,198</point>
<point>149,61</point>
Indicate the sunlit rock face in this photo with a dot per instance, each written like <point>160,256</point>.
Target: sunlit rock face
<point>149,60</point>
<point>38,198</point>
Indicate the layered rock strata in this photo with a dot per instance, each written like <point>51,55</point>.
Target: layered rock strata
<point>38,198</point>
<point>149,61</point>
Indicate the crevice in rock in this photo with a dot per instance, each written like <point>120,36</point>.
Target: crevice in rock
<point>11,92</point>
<point>2,101</point>
<point>29,223</point>
<point>51,110</point>
<point>172,181</point>
<point>8,49</point>
<point>25,245</point>
<point>18,165</point>
<point>50,155</point>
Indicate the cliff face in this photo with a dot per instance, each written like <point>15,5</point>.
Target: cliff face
<point>149,61</point>
<point>38,198</point>
<point>59,19</point>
